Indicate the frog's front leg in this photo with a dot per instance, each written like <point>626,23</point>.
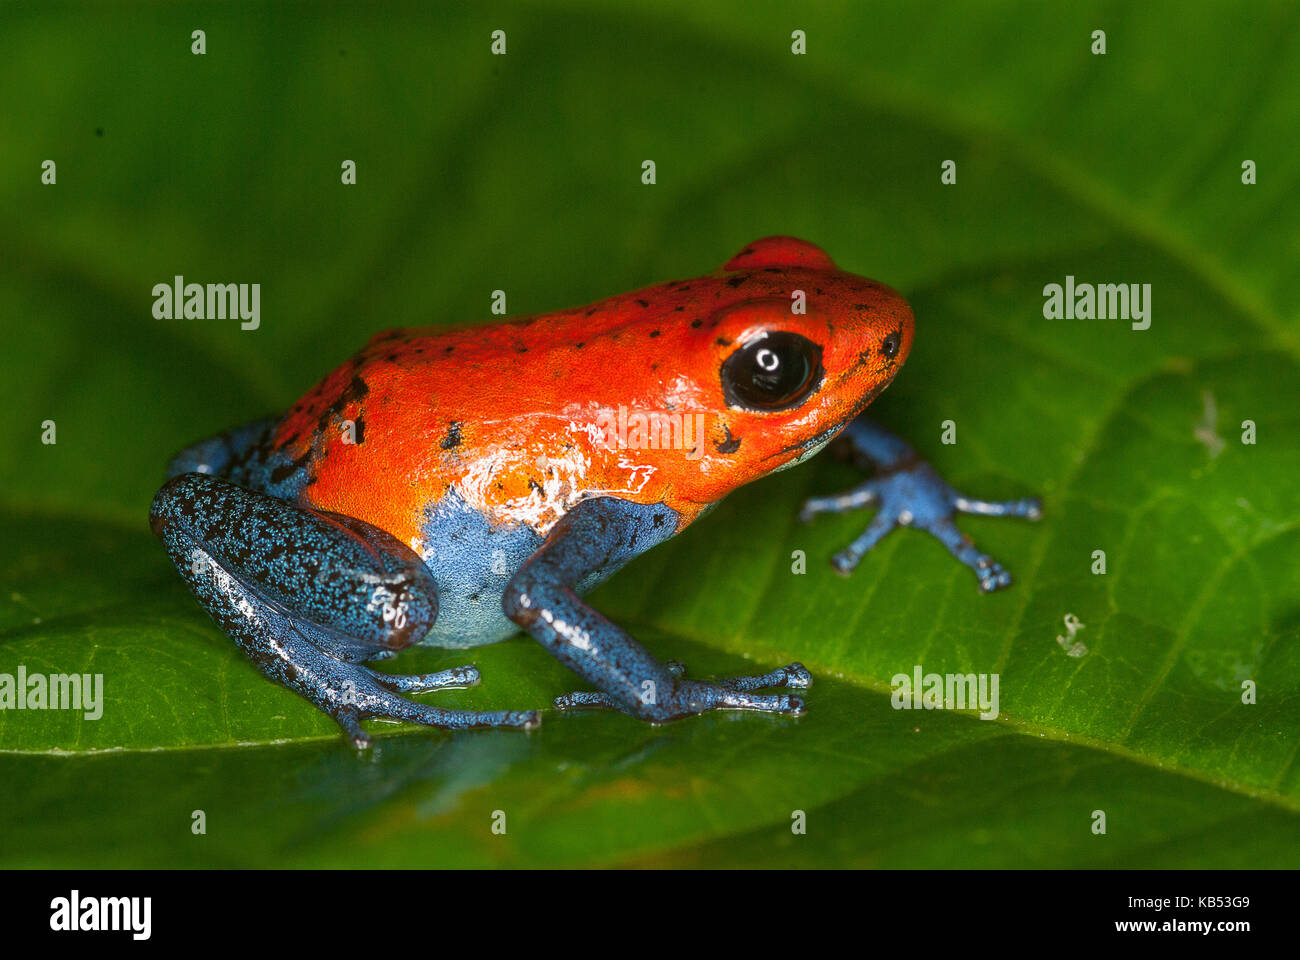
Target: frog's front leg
<point>595,536</point>
<point>308,596</point>
<point>908,492</point>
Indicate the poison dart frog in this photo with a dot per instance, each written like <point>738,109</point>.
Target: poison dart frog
<point>453,486</point>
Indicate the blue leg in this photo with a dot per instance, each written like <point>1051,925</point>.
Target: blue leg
<point>908,492</point>
<point>218,455</point>
<point>596,536</point>
<point>308,596</point>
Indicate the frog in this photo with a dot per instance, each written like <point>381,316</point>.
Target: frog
<point>454,486</point>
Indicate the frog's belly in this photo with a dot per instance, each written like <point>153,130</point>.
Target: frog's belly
<point>472,561</point>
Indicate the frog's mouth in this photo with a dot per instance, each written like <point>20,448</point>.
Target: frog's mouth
<point>815,444</point>
<point>810,449</point>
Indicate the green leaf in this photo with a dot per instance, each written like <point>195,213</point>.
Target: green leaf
<point>522,173</point>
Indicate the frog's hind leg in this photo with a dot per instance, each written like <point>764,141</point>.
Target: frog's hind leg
<point>308,596</point>
<point>218,456</point>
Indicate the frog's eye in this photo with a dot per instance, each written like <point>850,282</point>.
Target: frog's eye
<point>889,346</point>
<point>775,371</point>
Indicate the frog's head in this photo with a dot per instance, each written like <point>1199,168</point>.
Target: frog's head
<point>798,348</point>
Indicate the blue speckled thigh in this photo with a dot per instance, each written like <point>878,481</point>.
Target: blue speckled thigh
<point>471,560</point>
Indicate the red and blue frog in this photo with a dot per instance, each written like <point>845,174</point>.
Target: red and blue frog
<point>456,486</point>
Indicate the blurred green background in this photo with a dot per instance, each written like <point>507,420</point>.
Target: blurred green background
<point>522,172</point>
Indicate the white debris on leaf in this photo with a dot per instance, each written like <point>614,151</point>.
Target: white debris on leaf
<point>1072,647</point>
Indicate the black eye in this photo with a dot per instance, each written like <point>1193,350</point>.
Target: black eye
<point>889,346</point>
<point>773,372</point>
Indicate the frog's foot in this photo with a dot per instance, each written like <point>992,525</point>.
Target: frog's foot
<point>351,693</point>
<point>308,596</point>
<point>914,495</point>
<point>690,697</point>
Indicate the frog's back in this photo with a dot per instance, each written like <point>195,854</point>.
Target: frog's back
<point>499,414</point>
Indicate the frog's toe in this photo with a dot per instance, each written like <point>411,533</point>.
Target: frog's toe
<point>793,675</point>
<point>592,700</point>
<point>734,694</point>
<point>847,560</point>
<point>1031,508</point>
<point>350,722</point>
<point>697,696</point>
<point>990,574</point>
<point>453,679</point>
<point>798,676</point>
<point>586,700</point>
<point>865,494</point>
<point>377,703</point>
